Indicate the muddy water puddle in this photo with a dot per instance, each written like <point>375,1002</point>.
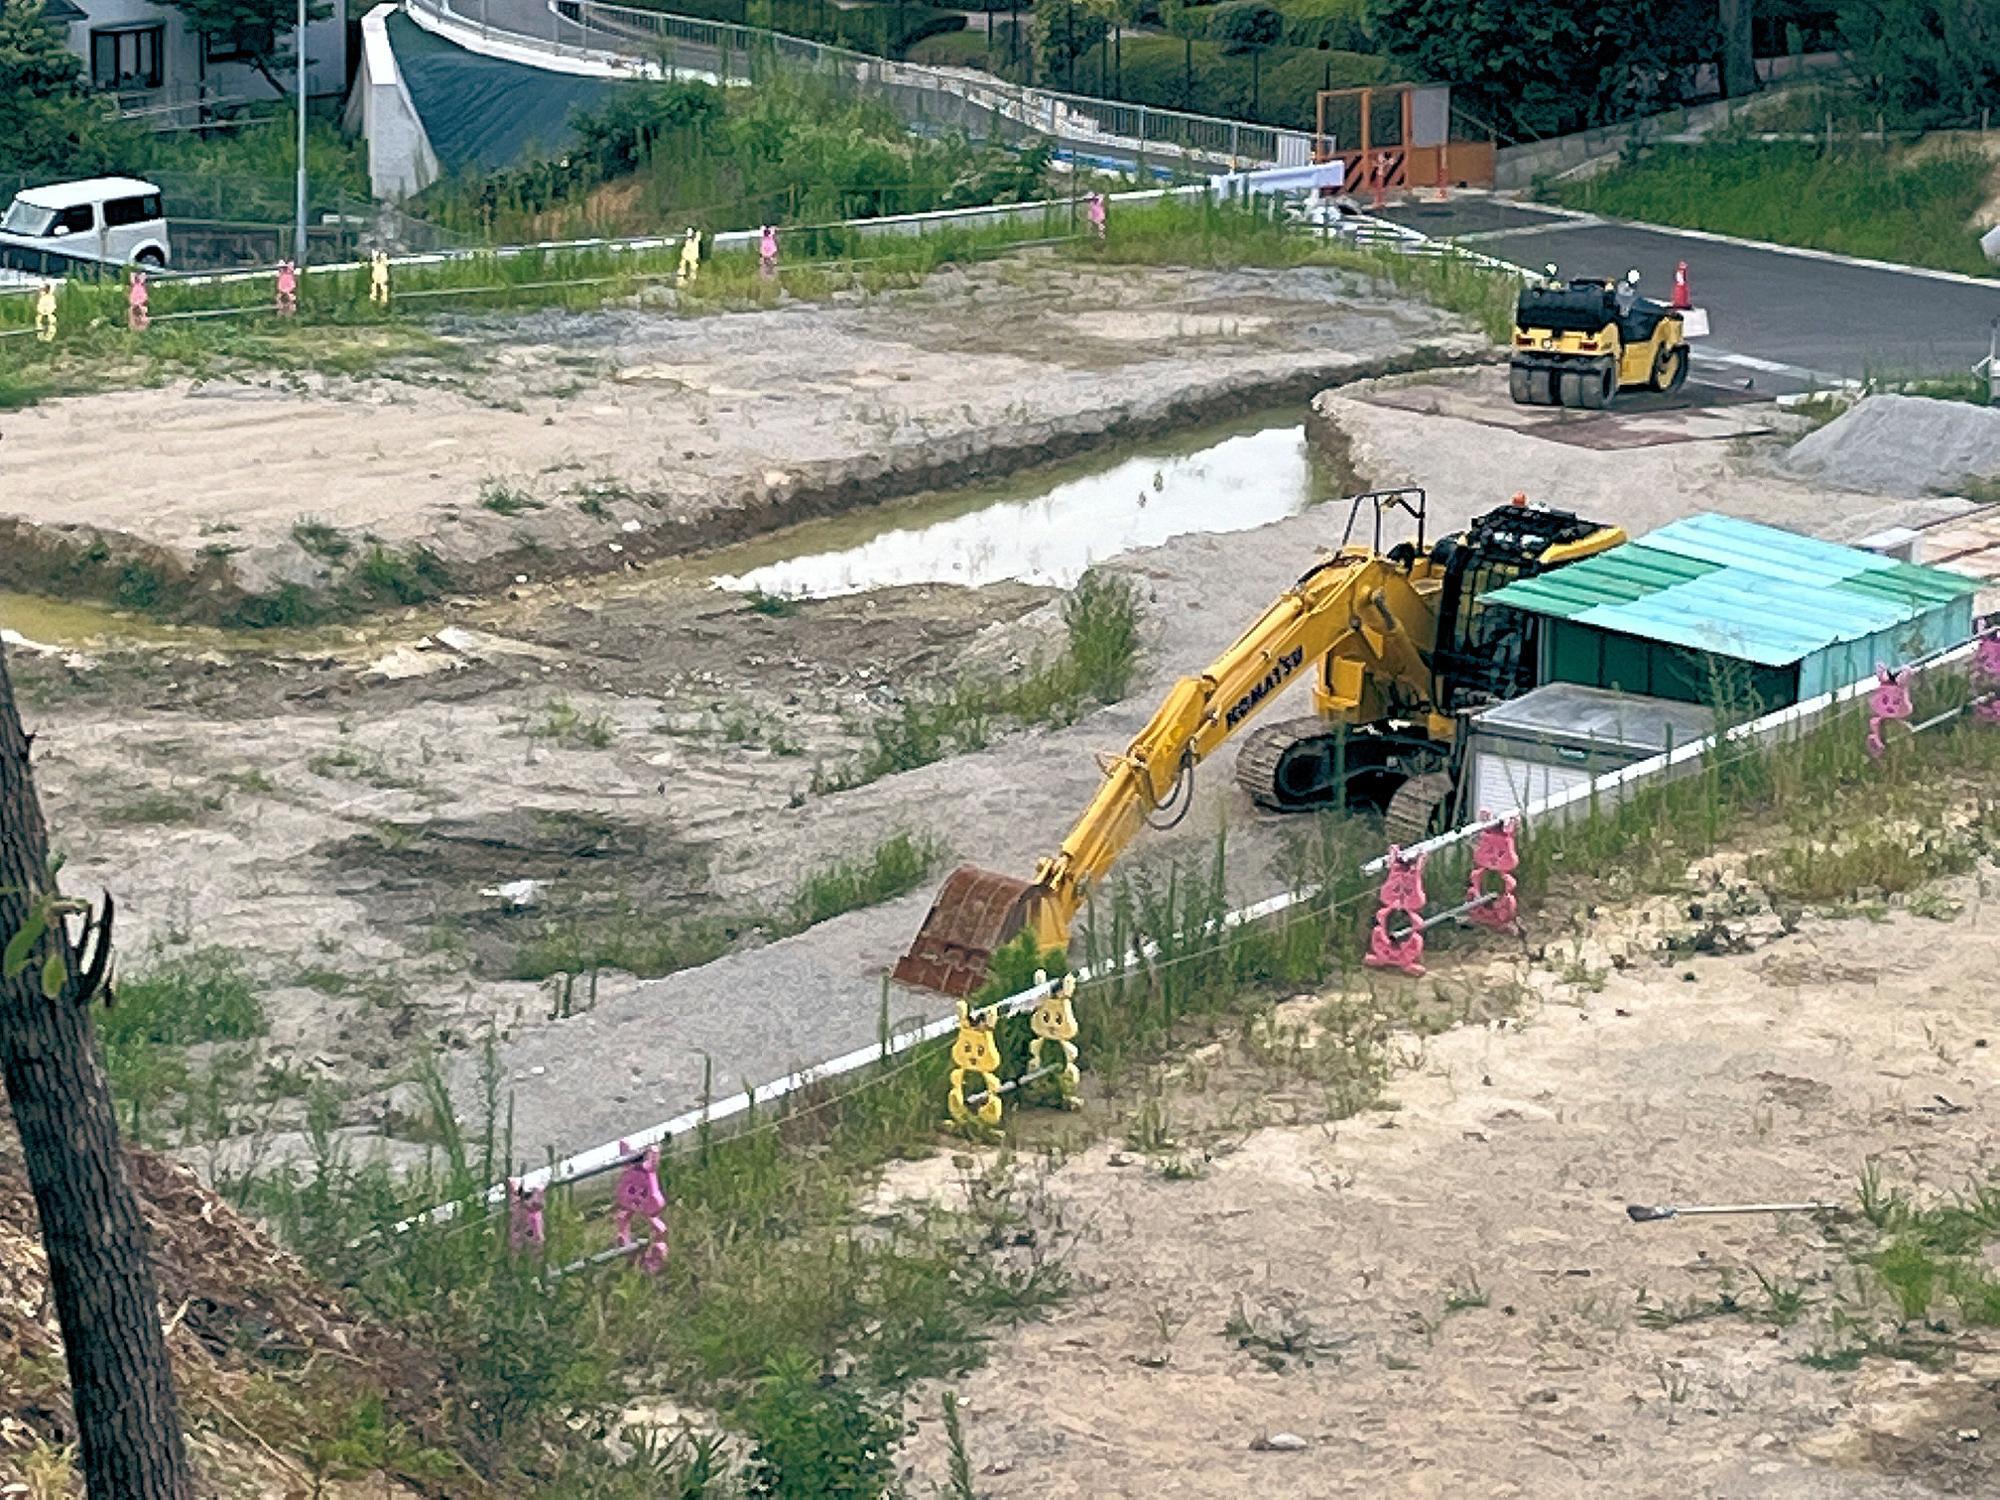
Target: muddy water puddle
<point>1042,528</point>
<point>1045,528</point>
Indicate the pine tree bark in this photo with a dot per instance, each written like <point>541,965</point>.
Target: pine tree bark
<point>1739,63</point>
<point>128,1423</point>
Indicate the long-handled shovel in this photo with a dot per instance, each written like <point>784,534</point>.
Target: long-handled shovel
<point>1646,1213</point>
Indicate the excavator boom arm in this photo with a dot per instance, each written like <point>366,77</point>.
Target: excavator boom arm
<point>1358,608</point>
<point>1366,621</point>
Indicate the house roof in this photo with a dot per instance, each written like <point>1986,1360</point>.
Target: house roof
<point>85,190</point>
<point>1734,588</point>
<point>63,11</point>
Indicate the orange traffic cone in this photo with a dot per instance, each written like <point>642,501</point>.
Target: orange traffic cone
<point>1682,299</point>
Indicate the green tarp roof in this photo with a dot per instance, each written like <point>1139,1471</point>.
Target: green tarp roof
<point>1713,583</point>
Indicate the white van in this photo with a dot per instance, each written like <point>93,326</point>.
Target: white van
<point>115,219</point>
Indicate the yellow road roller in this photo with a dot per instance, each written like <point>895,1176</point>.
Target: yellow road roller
<point>1580,342</point>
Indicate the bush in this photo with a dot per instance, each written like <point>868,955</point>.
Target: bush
<point>619,137</point>
<point>1243,26</point>
<point>1157,71</point>
<point>1316,25</point>
<point>888,30</point>
<point>1101,615</point>
<point>820,1438</point>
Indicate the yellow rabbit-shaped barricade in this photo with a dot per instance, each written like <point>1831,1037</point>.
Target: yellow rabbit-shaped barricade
<point>975,1054</point>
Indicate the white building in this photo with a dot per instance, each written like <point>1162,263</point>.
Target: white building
<point>145,53</point>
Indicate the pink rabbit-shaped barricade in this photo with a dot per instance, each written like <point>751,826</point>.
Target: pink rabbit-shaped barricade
<point>1396,941</point>
<point>637,1198</point>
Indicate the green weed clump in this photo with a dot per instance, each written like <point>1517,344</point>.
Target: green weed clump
<point>638,943</point>
<point>899,864</point>
<point>1101,619</point>
<point>1101,615</point>
<point>200,996</point>
<point>203,995</point>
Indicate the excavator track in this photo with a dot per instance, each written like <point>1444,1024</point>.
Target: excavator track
<point>1413,812</point>
<point>1261,769</point>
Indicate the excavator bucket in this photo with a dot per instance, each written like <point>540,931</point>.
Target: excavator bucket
<point>975,913</point>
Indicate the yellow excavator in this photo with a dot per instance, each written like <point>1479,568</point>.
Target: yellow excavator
<point>1397,647</point>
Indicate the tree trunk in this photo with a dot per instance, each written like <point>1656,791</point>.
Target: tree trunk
<point>1739,63</point>
<point>120,1382</point>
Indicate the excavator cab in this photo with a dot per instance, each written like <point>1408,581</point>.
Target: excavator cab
<point>1396,642</point>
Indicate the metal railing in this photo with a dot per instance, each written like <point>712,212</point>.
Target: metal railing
<point>964,98</point>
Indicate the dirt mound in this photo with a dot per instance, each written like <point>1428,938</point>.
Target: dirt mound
<point>1902,445</point>
<point>254,1339</point>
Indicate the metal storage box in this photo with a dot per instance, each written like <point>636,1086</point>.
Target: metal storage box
<point>1562,735</point>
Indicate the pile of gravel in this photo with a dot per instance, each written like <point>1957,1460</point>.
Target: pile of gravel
<point>1902,445</point>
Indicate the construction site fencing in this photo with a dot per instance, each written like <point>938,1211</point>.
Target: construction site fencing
<point>1042,222</point>
<point>1880,706</point>
<point>981,105</point>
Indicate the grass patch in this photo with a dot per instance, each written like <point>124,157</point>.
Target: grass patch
<point>633,942</point>
<point>1820,870</point>
<point>769,1278</point>
<point>200,996</point>
<point>321,539</point>
<point>1100,616</point>
<point>563,722</point>
<point>504,499</point>
<point>652,944</point>
<point>899,865</point>
<point>1215,235</point>
<point>1860,199</point>
<point>160,809</point>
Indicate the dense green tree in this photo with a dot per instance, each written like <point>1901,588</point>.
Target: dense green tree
<point>1248,26</point>
<point>46,124</point>
<point>1928,61</point>
<point>35,62</point>
<point>1063,31</point>
<point>1540,67</point>
<point>261,29</point>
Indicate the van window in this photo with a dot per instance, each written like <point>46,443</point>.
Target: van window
<point>119,212</point>
<point>78,219</point>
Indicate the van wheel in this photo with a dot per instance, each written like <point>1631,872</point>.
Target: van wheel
<point>150,258</point>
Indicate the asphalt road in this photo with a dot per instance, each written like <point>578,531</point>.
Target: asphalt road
<point>1816,319</point>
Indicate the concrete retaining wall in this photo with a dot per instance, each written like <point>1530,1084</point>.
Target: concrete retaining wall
<point>401,162</point>
<point>1519,166</point>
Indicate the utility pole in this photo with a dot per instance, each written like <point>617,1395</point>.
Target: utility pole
<point>299,207</point>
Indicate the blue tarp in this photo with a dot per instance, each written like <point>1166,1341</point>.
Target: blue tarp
<point>484,113</point>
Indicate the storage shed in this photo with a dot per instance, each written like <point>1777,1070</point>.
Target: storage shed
<point>1711,609</point>
<point>1561,735</point>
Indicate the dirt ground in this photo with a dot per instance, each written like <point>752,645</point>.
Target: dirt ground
<point>343,824</point>
<point>1443,1295</point>
<point>562,443</point>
